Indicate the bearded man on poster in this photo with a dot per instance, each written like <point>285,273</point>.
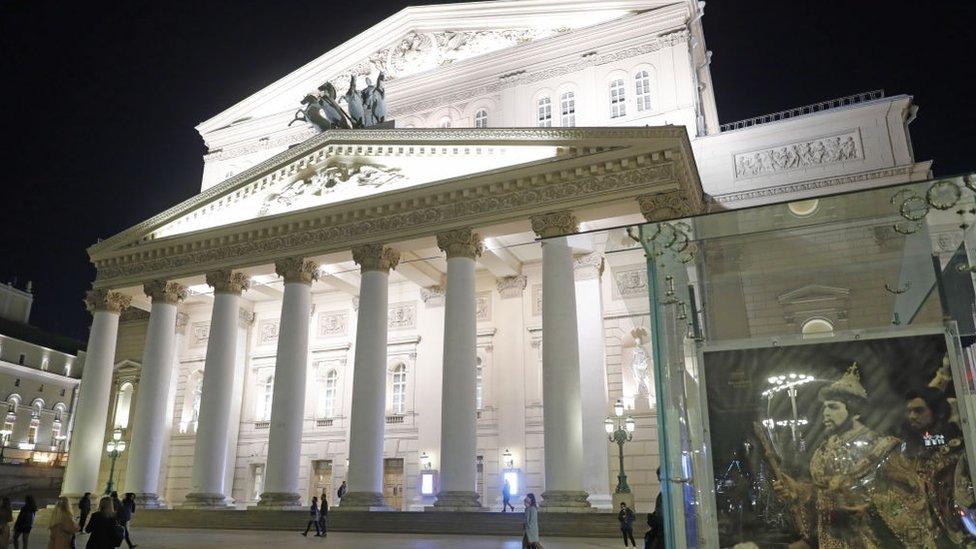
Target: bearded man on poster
<point>862,492</point>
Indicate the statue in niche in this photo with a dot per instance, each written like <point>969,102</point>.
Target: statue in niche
<point>639,363</point>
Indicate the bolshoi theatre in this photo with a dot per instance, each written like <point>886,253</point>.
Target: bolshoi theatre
<point>539,261</point>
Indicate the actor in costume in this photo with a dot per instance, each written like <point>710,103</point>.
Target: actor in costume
<point>863,493</point>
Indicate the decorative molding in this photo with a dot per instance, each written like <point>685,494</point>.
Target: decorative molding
<point>536,300</point>
<point>799,155</point>
<point>297,269</point>
<point>278,141</point>
<point>171,293</point>
<point>521,79</point>
<point>268,331</point>
<point>461,243</point>
<point>552,224</point>
<point>511,286</point>
<point>101,299</point>
<point>245,317</point>
<point>226,281</point>
<point>433,296</point>
<point>181,320</point>
<point>402,316</point>
<point>375,257</point>
<point>333,323</point>
<point>589,266</point>
<point>808,186</point>
<point>670,205</point>
<point>631,281</point>
<point>199,334</point>
<point>482,302</point>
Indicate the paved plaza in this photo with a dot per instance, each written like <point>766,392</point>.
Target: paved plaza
<point>171,538</point>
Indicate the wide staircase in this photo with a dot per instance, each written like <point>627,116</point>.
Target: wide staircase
<point>600,525</point>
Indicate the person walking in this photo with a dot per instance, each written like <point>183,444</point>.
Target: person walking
<point>62,525</point>
<point>530,539</point>
<point>324,515</point>
<point>25,521</point>
<point>314,518</point>
<point>341,491</point>
<point>626,518</point>
<point>6,517</point>
<point>127,508</point>
<point>654,538</point>
<point>507,497</point>
<point>105,530</point>
<point>84,508</point>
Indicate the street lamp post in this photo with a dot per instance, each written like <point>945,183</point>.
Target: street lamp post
<point>115,447</point>
<point>621,431</point>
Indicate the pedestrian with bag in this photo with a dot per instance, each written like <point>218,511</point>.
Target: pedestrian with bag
<point>125,512</point>
<point>62,525</point>
<point>105,530</point>
<point>626,518</point>
<point>314,518</point>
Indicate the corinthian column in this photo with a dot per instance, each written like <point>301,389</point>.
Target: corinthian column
<point>288,404</point>
<point>89,418</point>
<point>561,406</point>
<point>149,423</point>
<point>459,437</point>
<point>210,452</point>
<point>367,419</point>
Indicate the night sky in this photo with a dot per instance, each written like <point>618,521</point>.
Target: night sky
<point>99,101</point>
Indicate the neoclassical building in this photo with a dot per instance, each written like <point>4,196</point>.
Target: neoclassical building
<point>426,311</point>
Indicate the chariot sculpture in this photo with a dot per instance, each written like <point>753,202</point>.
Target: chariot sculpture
<point>364,108</point>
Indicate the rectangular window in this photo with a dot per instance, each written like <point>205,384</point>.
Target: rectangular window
<point>544,112</point>
<point>567,108</point>
<point>618,99</point>
<point>21,359</point>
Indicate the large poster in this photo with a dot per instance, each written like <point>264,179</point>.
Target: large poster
<point>838,444</point>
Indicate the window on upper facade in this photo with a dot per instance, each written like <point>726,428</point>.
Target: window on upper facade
<point>618,99</point>
<point>567,109</point>
<point>400,389</point>
<point>55,432</point>
<point>21,359</point>
<point>478,398</point>
<point>544,112</point>
<point>8,425</point>
<point>123,401</point>
<point>262,411</point>
<point>59,409</point>
<point>481,119</point>
<point>642,80</point>
<point>32,431</point>
<point>327,398</point>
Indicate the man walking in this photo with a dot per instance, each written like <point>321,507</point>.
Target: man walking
<point>341,491</point>
<point>314,518</point>
<point>324,516</point>
<point>507,497</point>
<point>127,508</point>
<point>84,507</point>
<point>626,518</point>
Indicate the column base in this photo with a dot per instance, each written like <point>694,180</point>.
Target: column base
<point>363,501</point>
<point>602,502</point>
<point>279,501</point>
<point>565,501</point>
<point>457,501</point>
<point>205,500</point>
<point>150,501</point>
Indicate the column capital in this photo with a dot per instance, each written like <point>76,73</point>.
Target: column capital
<point>511,286</point>
<point>588,266</point>
<point>100,299</point>
<point>375,257</point>
<point>669,205</point>
<point>297,269</point>
<point>171,293</point>
<point>461,243</point>
<point>226,281</point>
<point>554,224</point>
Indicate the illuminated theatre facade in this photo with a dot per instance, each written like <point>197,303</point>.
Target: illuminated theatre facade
<point>425,311</point>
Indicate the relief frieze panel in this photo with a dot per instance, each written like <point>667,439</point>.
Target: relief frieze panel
<point>631,281</point>
<point>483,306</point>
<point>333,323</point>
<point>402,316</point>
<point>199,334</point>
<point>800,155</point>
<point>268,331</point>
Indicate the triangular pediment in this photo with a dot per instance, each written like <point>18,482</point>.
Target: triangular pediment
<point>423,38</point>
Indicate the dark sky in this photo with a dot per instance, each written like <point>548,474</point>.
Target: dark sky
<point>99,101</point>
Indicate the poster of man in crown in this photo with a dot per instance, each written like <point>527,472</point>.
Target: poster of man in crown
<point>851,444</point>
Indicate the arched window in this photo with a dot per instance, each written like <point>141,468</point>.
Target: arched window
<point>544,112</point>
<point>479,392</point>
<point>123,402</point>
<point>262,411</point>
<point>567,109</point>
<point>481,119</point>
<point>59,410</point>
<point>642,81</point>
<point>400,389</point>
<point>817,327</point>
<point>327,400</point>
<point>618,99</point>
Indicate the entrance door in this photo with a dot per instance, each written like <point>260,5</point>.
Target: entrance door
<point>393,482</point>
<point>321,480</point>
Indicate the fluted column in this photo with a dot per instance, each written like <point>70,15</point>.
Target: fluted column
<point>291,371</point>
<point>149,423</point>
<point>459,437</point>
<point>593,378</point>
<point>561,405</point>
<point>88,436</point>
<point>210,451</point>
<point>367,420</point>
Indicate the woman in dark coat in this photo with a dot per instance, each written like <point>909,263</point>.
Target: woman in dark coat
<point>102,527</point>
<point>25,521</point>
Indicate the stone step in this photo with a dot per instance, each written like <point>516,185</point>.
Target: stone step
<point>600,525</point>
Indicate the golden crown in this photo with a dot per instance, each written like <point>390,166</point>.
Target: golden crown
<point>849,384</point>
